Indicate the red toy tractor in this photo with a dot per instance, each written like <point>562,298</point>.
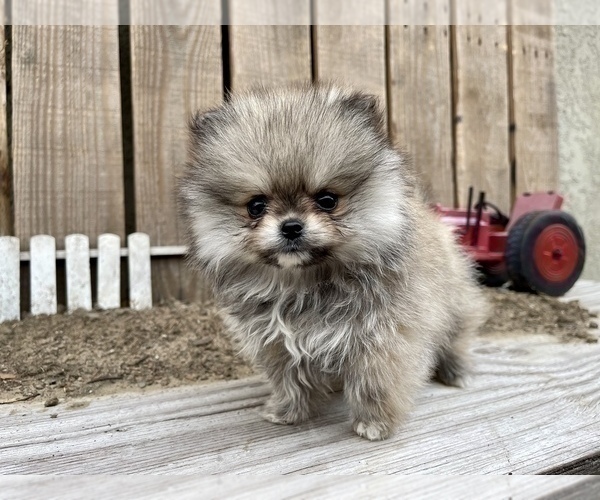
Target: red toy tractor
<point>538,248</point>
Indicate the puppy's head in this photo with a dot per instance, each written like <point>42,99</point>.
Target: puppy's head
<point>293,178</point>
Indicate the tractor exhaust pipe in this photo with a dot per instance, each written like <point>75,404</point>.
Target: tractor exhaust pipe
<point>478,220</point>
<point>469,204</point>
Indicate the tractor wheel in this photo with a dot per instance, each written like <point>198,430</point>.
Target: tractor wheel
<point>492,275</point>
<point>545,252</point>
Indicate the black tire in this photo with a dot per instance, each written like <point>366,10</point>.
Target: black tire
<point>512,253</point>
<point>545,252</point>
<point>493,276</point>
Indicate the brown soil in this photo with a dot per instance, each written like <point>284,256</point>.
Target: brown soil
<point>54,358</point>
<point>524,313</point>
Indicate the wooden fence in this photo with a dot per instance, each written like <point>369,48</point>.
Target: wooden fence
<point>94,128</point>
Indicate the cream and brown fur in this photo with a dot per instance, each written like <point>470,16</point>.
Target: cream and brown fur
<point>375,294</point>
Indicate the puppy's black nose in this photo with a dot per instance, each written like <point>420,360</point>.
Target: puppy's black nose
<point>292,229</point>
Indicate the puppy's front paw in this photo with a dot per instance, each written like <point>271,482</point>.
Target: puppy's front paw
<point>373,431</point>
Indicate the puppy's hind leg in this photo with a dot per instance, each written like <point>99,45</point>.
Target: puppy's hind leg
<point>451,367</point>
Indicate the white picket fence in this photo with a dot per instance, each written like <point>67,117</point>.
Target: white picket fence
<point>43,256</point>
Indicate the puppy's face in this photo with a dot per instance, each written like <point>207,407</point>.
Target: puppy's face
<point>292,179</point>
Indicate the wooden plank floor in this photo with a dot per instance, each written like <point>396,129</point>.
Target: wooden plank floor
<point>301,487</point>
<point>532,406</point>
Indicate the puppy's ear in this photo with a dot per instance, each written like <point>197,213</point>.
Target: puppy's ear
<point>365,107</point>
<point>205,124</point>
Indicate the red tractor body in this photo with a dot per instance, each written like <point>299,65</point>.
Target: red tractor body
<point>538,248</point>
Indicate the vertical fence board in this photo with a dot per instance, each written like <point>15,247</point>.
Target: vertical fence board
<point>67,146</point>
<point>420,94</point>
<point>353,54</point>
<point>175,71</point>
<point>140,278</point>
<point>43,275</point>
<point>79,281</point>
<point>109,271</point>
<point>267,46</point>
<point>479,13</point>
<point>481,100</point>
<point>5,177</point>
<point>534,99</point>
<point>9,279</point>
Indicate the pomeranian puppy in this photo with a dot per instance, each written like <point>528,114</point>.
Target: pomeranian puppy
<point>323,255</point>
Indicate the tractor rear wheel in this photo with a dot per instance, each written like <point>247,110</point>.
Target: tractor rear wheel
<point>492,275</point>
<point>545,252</point>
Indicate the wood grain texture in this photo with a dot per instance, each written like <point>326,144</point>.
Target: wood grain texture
<point>480,13</point>
<point>536,12</point>
<point>482,113</point>
<point>269,53</point>
<point>67,146</point>
<point>6,225</point>
<point>299,486</point>
<point>535,108</point>
<point>176,13</point>
<point>64,13</point>
<point>175,71</point>
<point>350,44</point>
<point>531,404</point>
<point>419,12</point>
<point>420,94</point>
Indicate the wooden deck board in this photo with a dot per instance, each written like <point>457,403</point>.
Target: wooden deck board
<point>314,487</point>
<point>532,405</point>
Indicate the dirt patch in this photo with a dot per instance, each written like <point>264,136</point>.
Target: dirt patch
<point>524,313</point>
<point>82,354</point>
<point>54,358</point>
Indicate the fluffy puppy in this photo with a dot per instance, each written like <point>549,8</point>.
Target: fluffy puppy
<point>325,259</point>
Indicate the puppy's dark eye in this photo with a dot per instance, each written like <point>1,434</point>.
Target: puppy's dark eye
<point>257,206</point>
<point>326,201</point>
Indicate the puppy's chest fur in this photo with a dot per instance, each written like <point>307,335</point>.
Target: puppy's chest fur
<point>323,324</point>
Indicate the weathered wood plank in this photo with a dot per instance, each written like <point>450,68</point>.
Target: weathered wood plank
<point>42,273</point>
<point>9,279</point>
<point>79,281</point>
<point>109,271</point>
<point>269,42</point>
<point>6,226</point>
<point>64,13</point>
<point>176,70</point>
<point>140,278</point>
<point>177,13</point>
<point>531,404</point>
<point>67,147</point>
<point>534,99</point>
<point>350,44</point>
<point>533,12</point>
<point>314,487</point>
<point>420,94</point>
<point>481,102</point>
<point>477,13</point>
